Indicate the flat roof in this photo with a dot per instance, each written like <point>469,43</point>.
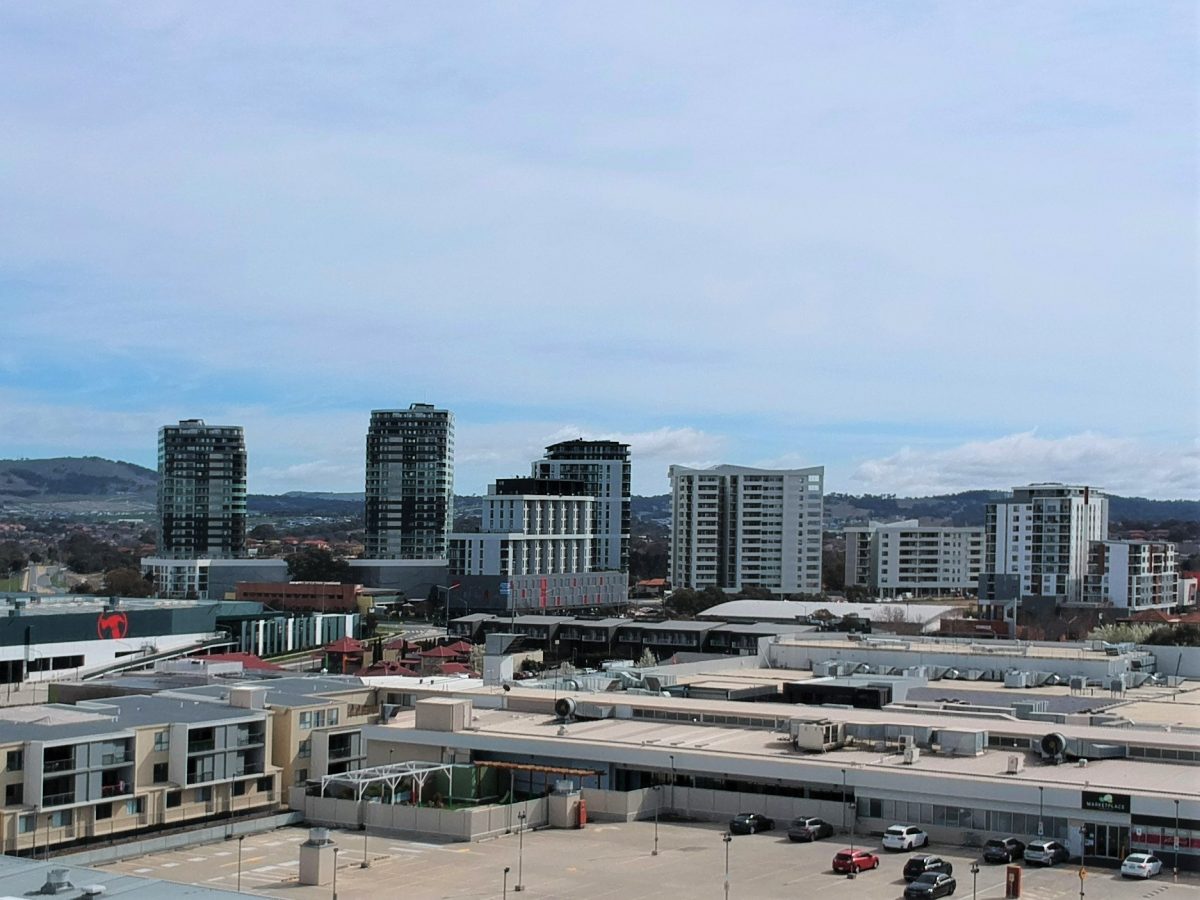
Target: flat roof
<point>776,610</point>
<point>25,877</point>
<point>918,644</point>
<point>752,751</point>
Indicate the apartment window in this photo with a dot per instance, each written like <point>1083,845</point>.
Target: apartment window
<point>162,741</point>
<point>305,749</point>
<point>301,776</point>
<point>135,807</point>
<point>14,794</point>
<point>333,717</point>
<point>306,720</point>
<point>160,772</point>
<point>60,819</point>
<point>174,799</point>
<point>239,788</point>
<point>103,811</point>
<point>15,761</point>
<point>26,824</point>
<point>202,795</point>
<point>264,785</point>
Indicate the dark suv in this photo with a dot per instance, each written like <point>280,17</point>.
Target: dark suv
<point>1003,850</point>
<point>919,865</point>
<point>809,828</point>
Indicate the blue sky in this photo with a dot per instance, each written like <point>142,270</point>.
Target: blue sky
<point>932,246</point>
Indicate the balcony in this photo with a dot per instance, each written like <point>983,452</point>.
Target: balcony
<point>202,746</point>
<point>58,765</point>
<point>63,799</point>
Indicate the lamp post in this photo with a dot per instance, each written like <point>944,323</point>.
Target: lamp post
<point>241,837</point>
<point>1082,875</point>
<point>728,839</point>
<point>1176,870</point>
<point>520,885</point>
<point>366,863</point>
<point>335,854</point>
<point>843,800</point>
<point>448,589</point>
<point>657,800</point>
<point>504,890</point>
<point>671,757</point>
<point>974,881</point>
<point>1041,809</point>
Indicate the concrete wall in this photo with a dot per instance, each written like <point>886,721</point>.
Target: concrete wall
<point>1181,661</point>
<point>468,824</point>
<point>717,806</point>
<point>190,838</point>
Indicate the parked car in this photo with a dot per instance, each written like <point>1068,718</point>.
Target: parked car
<point>919,865</point>
<point>1046,853</point>
<point>750,823</point>
<point>809,829</point>
<point>854,861</point>
<point>931,884</point>
<point>1003,850</point>
<point>904,837</point>
<point>1141,865</point>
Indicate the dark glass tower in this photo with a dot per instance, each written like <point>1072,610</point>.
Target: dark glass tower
<point>410,482</point>
<point>201,491</point>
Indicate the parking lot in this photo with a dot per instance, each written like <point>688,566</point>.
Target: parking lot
<point>609,861</point>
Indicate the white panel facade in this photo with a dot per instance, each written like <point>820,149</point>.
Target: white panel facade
<point>909,558</point>
<point>735,527</point>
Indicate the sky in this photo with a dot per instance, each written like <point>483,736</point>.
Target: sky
<point>930,246</point>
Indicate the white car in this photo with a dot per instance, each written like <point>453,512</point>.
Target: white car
<point>904,837</point>
<point>1141,865</point>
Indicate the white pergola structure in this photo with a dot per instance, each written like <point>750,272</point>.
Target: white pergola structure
<point>393,775</point>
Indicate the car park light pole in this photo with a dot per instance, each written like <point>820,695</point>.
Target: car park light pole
<point>1176,871</point>
<point>241,837</point>
<point>335,853</point>
<point>843,800</point>
<point>728,839</point>
<point>1082,875</point>
<point>1041,809</point>
<point>520,885</point>
<point>657,802</point>
<point>504,895</point>
<point>974,881</point>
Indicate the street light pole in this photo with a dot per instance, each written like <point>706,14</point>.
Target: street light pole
<point>843,801</point>
<point>728,839</point>
<point>335,853</point>
<point>504,895</point>
<point>520,885</point>
<point>366,863</point>
<point>1041,809</point>
<point>974,881</point>
<point>672,758</point>
<point>1176,872</point>
<point>657,800</point>
<point>241,837</point>
<point>1082,875</point>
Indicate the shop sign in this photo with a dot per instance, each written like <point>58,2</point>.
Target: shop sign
<point>1105,802</point>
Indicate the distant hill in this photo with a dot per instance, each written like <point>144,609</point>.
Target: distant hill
<point>89,484</point>
<point>71,479</point>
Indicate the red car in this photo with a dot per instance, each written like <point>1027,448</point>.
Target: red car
<point>854,861</point>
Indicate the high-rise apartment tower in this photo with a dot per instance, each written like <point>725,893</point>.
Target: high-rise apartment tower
<point>735,527</point>
<point>201,490</point>
<point>604,469</point>
<point>410,482</point>
<point>1038,541</point>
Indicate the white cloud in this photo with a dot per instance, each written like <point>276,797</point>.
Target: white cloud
<point>1118,465</point>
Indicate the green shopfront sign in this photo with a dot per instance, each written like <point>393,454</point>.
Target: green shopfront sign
<point>1105,802</point>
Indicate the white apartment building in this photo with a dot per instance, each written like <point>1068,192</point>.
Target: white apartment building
<point>604,469</point>
<point>896,558</point>
<point>530,526</point>
<point>1132,575</point>
<point>735,527</point>
<point>1038,541</point>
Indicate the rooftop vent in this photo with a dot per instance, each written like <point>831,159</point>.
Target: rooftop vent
<point>57,881</point>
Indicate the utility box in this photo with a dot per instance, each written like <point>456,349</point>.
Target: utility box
<point>564,809</point>
<point>443,714</point>
<point>1012,882</point>
<point>317,858</point>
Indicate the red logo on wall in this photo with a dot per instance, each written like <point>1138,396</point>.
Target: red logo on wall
<point>112,625</point>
